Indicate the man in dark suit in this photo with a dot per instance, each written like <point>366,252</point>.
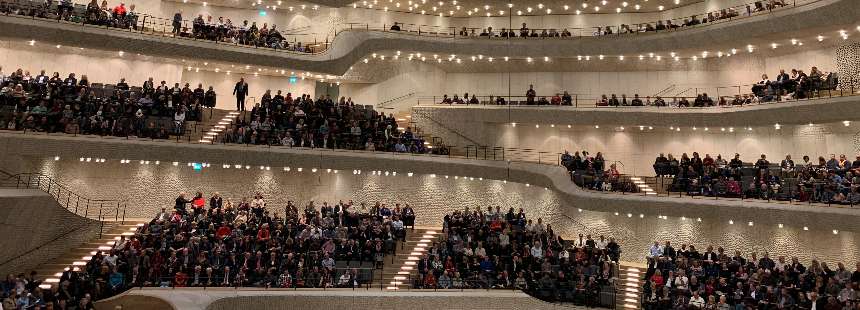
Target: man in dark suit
<point>241,91</point>
<point>782,81</point>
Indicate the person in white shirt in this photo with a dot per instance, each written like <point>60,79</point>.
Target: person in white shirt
<point>564,254</point>
<point>468,252</point>
<point>287,140</point>
<point>681,281</point>
<point>179,120</point>
<point>397,228</point>
<point>529,226</point>
<point>111,259</point>
<point>480,251</point>
<point>779,265</point>
<point>656,250</point>
<point>537,250</point>
<point>697,301</point>
<point>163,215</point>
<point>344,280</point>
<point>397,224</point>
<point>540,228</point>
<point>258,202</point>
<point>601,243</point>
<point>504,240</point>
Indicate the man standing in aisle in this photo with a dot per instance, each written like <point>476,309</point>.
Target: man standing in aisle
<point>530,95</point>
<point>241,90</point>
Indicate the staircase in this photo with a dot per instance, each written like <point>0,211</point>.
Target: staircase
<point>78,257</point>
<point>402,271</point>
<point>434,126</point>
<point>393,101</point>
<point>404,119</point>
<point>216,125</point>
<point>643,186</point>
<point>629,286</point>
<point>665,91</point>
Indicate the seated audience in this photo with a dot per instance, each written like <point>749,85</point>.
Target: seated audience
<point>75,106</point>
<point>249,244</point>
<point>492,249</point>
<point>717,279</point>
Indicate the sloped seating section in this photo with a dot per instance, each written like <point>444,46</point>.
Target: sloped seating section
<point>53,104</point>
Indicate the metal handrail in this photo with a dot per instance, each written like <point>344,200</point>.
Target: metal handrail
<point>816,91</point>
<point>98,209</point>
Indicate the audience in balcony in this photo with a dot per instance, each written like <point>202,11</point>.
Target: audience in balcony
<point>829,181</point>
<point>221,30</point>
<point>493,249</point>
<point>716,279</point>
<point>322,123</point>
<point>797,86</point>
<point>589,172</point>
<point>75,106</point>
<point>659,25</point>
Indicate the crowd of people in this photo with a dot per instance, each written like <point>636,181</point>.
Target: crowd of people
<point>213,241</point>
<point>562,99</point>
<point>685,278</point>
<point>667,25</point>
<point>834,180</point>
<point>74,105</point>
<point>249,33</point>
<point>93,13</point>
<point>120,16</point>
<point>223,30</point>
<point>798,85</point>
<point>588,172</point>
<point>493,249</point>
<point>281,119</point>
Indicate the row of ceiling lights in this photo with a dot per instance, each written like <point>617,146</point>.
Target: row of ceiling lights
<point>413,6</point>
<point>278,5</point>
<point>776,126</point>
<point>381,173</point>
<point>248,68</point>
<point>698,219</point>
<point>285,168</point>
<point>672,55</point>
<point>453,58</point>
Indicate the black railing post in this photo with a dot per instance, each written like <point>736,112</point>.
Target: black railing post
<point>101,222</point>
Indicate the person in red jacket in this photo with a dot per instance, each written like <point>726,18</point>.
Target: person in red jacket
<point>263,235</point>
<point>119,10</point>
<point>223,231</point>
<point>198,204</point>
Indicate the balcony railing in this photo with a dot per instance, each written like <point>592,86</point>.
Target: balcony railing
<point>318,43</point>
<point>97,209</point>
<point>717,97</point>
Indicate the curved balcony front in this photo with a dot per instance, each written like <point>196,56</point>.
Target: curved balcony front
<point>353,45</point>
